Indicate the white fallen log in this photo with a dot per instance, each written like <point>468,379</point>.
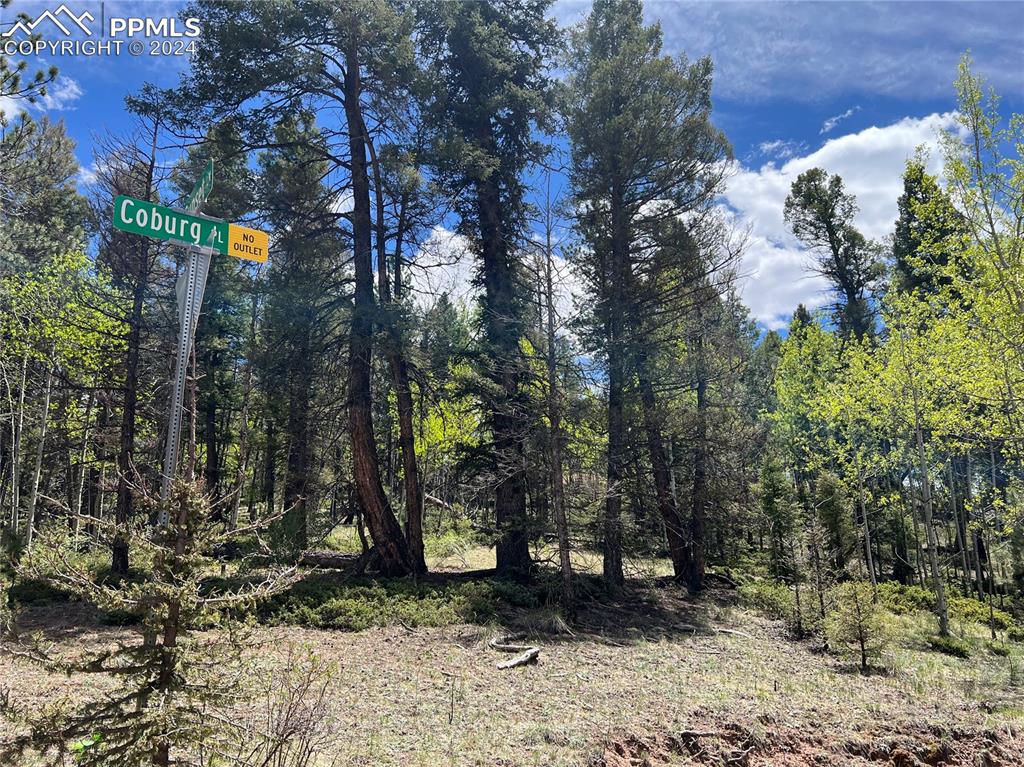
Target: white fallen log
<point>530,656</point>
<point>507,643</point>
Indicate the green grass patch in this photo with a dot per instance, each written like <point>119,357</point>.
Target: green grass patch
<point>997,648</point>
<point>958,648</point>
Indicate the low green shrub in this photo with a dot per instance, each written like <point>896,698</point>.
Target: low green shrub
<point>33,592</point>
<point>118,618</point>
<point>974,610</point>
<point>332,602</point>
<point>903,600</point>
<point>769,597</point>
<point>998,649</point>
<point>1015,633</point>
<point>950,646</point>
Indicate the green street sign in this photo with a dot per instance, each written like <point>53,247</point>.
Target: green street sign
<point>163,223</point>
<point>201,191</point>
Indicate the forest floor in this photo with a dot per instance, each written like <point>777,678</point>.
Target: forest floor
<point>650,679</point>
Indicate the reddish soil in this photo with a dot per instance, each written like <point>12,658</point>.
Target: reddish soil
<point>767,745</point>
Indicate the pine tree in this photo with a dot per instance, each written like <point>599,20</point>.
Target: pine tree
<point>170,676</point>
<point>857,623</point>
<point>644,155</point>
<point>490,93</point>
<point>929,231</point>
<point>821,214</point>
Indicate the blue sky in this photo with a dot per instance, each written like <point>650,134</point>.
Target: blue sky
<point>851,86</point>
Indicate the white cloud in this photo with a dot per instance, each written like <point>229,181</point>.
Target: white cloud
<point>871,162</point>
<point>781,149</point>
<point>60,95</point>
<point>832,122</point>
<point>88,175</point>
<point>343,203</point>
<point>10,108</point>
<point>444,264</point>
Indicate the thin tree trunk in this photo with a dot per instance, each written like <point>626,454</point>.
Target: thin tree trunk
<point>674,530</point>
<point>38,470</point>
<point>299,460</point>
<point>695,577</point>
<point>270,467</point>
<point>244,446</point>
<point>555,436</point>
<point>80,490</point>
<point>868,556</point>
<point>19,427</point>
<point>212,466</point>
<point>961,536</point>
<point>933,541</point>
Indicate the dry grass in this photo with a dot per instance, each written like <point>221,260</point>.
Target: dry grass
<point>432,697</point>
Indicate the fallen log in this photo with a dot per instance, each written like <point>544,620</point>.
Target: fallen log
<point>734,632</point>
<point>437,502</point>
<point>330,560</point>
<point>506,643</point>
<point>530,656</point>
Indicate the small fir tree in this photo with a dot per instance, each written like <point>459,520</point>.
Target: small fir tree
<point>857,623</point>
<point>172,680</point>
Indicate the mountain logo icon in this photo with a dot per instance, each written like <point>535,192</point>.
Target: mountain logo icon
<point>62,18</point>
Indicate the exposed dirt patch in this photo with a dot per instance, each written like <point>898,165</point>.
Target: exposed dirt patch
<point>734,744</point>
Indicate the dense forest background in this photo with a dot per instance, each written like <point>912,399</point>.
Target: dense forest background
<point>603,404</point>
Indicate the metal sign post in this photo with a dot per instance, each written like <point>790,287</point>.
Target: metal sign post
<point>201,236</point>
<point>190,288</point>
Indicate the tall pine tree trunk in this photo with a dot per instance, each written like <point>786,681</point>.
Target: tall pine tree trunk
<point>502,330</point>
<point>615,276</point>
<point>126,451</point>
<point>674,530</point>
<point>399,366</point>
<point>695,576</point>
<point>387,534</point>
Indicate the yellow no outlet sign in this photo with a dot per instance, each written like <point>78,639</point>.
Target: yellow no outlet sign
<point>250,244</point>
